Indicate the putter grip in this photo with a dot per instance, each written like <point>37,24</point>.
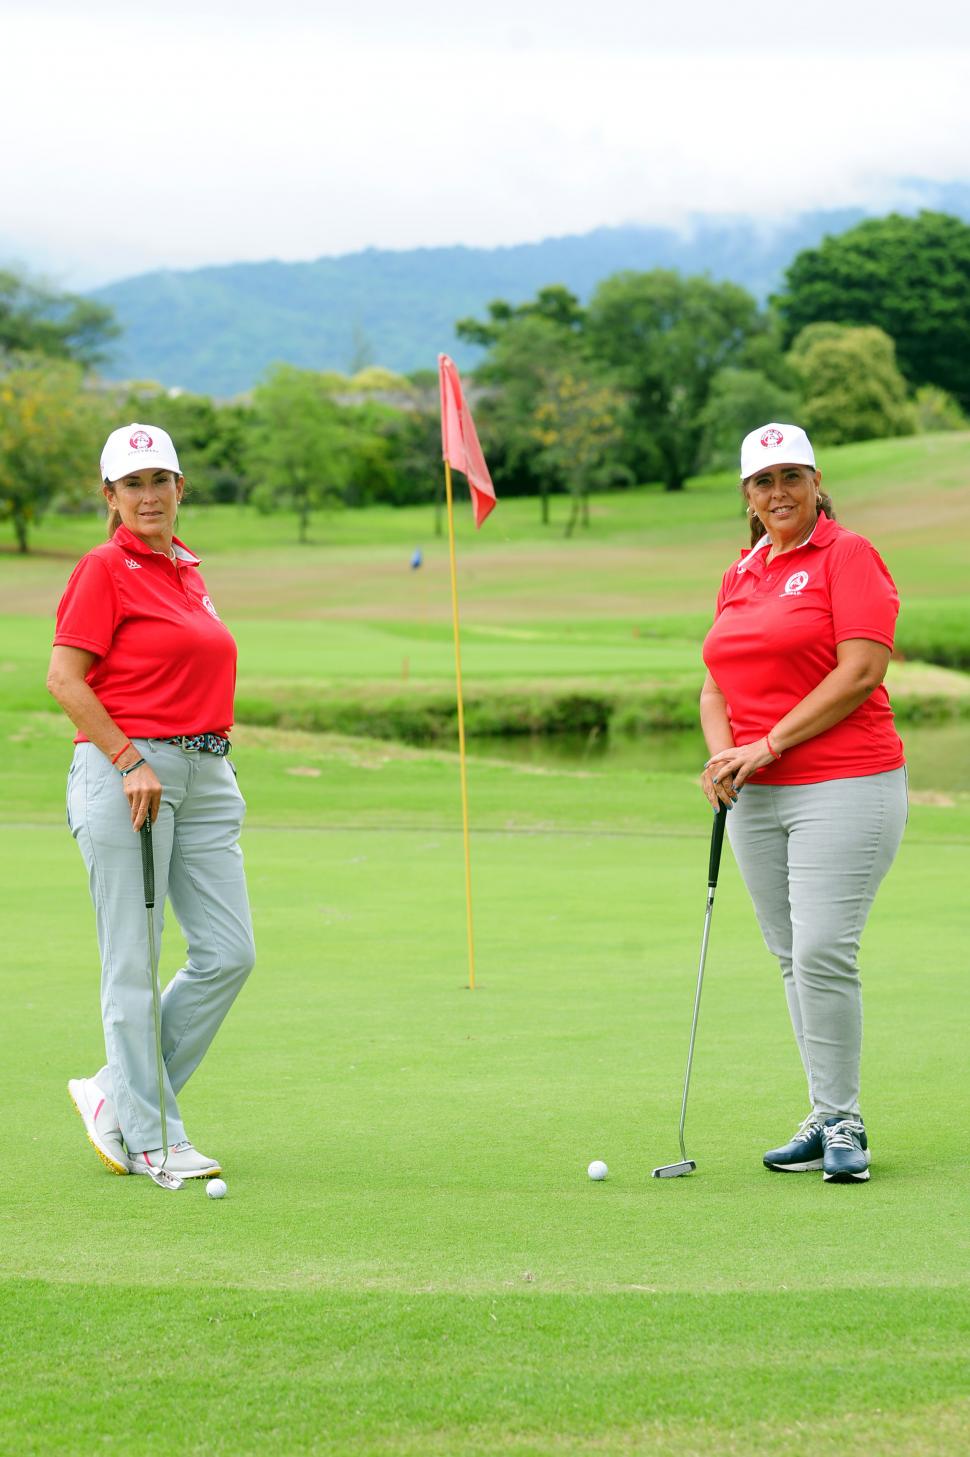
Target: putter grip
<point>717,840</point>
<point>148,861</point>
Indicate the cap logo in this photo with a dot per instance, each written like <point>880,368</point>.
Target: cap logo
<point>141,440</point>
<point>771,438</point>
<point>795,583</point>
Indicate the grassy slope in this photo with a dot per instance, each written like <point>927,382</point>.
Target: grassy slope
<point>343,632</point>
<point>411,1259</point>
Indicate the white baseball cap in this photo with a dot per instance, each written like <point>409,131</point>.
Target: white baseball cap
<point>137,447</point>
<point>775,444</point>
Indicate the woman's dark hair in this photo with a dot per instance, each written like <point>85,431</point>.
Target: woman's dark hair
<point>114,518</point>
<point>757,528</point>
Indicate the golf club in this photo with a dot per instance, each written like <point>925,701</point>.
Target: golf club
<point>161,1176</point>
<point>686,1165</point>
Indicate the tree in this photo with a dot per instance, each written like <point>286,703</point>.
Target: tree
<point>851,387</point>
<point>554,303</point>
<point>210,439</point>
<point>739,401</point>
<point>384,455</point>
<point>523,362</point>
<point>51,429</point>
<point>298,446</point>
<point>936,410</point>
<point>413,440</point>
<point>667,337</point>
<point>908,276</point>
<point>38,319</point>
<point>527,343</point>
<point>577,427</point>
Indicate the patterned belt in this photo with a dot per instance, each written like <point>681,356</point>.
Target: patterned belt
<point>201,743</point>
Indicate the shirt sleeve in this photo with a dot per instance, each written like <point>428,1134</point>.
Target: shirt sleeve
<point>723,591</point>
<point>90,610</point>
<point>865,602</point>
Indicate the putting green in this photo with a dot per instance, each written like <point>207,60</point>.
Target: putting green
<point>411,1258</point>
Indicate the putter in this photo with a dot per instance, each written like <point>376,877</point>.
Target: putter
<point>161,1176</point>
<point>686,1165</point>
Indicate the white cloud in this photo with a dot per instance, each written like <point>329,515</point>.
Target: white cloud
<point>215,134</point>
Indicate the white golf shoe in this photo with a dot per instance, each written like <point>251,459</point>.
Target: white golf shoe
<point>100,1123</point>
<point>184,1161</point>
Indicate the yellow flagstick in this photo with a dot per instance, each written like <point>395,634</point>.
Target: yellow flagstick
<point>461,727</point>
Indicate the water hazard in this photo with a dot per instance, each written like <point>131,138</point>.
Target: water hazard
<point>937,754</point>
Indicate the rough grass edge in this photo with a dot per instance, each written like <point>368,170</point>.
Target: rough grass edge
<point>433,719</point>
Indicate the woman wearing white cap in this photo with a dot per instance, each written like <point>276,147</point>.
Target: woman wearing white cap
<point>794,709</point>
<point>146,671</point>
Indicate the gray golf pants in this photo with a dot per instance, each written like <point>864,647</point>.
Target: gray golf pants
<point>199,866</point>
<point>812,857</point>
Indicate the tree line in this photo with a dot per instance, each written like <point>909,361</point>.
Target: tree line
<point>654,379</point>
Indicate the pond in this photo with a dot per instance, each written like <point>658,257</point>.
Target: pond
<point>938,755</point>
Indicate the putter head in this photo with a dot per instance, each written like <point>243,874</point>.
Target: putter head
<point>165,1180</point>
<point>674,1171</point>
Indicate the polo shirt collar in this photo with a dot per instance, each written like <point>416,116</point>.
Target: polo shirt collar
<point>753,560</point>
<point>129,542</point>
<point>753,556</point>
<point>824,534</point>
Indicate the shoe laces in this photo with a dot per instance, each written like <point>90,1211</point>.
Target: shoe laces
<point>839,1135</point>
<point>807,1129</point>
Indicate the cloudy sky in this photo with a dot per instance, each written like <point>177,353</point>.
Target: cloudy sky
<point>140,135</point>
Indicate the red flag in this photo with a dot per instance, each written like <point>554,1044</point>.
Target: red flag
<point>459,440</point>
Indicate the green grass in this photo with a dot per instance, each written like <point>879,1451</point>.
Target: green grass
<point>411,1259</point>
<point>363,1373</point>
<point>599,631</point>
<point>928,472</point>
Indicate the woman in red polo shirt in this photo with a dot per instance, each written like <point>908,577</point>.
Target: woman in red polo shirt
<point>794,709</point>
<point>146,671</point>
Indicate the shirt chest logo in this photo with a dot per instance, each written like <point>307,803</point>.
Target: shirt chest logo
<point>132,566</point>
<point>795,584</point>
<point>207,604</point>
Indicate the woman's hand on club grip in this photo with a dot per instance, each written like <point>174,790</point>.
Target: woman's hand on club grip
<point>144,794</point>
<point>736,765</point>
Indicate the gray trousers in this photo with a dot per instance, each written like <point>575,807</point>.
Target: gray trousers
<point>199,866</point>
<point>812,857</point>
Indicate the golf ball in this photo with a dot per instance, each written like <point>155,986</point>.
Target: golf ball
<point>597,1169</point>
<point>216,1188</point>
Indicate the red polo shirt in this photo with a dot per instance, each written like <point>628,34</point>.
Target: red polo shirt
<point>166,665</point>
<point>775,632</point>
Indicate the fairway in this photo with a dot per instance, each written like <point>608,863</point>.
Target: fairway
<point>411,1258</point>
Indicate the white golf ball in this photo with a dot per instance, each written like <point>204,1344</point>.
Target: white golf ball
<point>597,1169</point>
<point>216,1188</point>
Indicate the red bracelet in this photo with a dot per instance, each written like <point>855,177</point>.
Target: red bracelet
<point>121,751</point>
<point>770,749</point>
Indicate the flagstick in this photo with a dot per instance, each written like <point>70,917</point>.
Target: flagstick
<point>461,727</point>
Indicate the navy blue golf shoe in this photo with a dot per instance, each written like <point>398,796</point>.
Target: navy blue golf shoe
<point>846,1156</point>
<point>802,1153</point>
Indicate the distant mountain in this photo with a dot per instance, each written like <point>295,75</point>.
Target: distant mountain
<point>216,330</point>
